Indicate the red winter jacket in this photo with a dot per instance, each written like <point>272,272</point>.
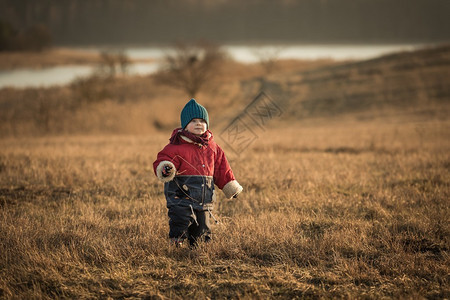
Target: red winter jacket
<point>195,170</point>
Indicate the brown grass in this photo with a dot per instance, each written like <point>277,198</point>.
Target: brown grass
<point>415,84</point>
<point>126,105</point>
<point>352,209</point>
<point>338,202</point>
<point>48,58</point>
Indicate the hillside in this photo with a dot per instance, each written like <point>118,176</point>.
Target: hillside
<point>406,82</point>
<point>409,83</point>
<point>344,197</point>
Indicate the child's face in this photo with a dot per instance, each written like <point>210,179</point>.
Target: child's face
<point>196,126</point>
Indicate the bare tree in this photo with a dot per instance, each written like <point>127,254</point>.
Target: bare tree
<point>268,58</point>
<point>112,63</point>
<point>191,66</point>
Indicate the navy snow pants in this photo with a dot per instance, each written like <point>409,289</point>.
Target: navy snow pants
<point>188,223</point>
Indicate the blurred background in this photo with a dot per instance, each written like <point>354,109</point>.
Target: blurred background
<point>137,22</point>
<point>111,66</point>
<point>334,115</point>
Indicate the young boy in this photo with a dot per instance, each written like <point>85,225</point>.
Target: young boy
<point>189,166</point>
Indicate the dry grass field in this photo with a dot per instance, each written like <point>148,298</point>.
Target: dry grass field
<point>48,58</point>
<point>349,209</point>
<point>348,205</point>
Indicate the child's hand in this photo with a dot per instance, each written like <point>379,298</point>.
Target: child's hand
<point>166,171</point>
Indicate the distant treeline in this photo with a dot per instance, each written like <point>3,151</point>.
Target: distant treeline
<point>35,38</point>
<point>163,21</point>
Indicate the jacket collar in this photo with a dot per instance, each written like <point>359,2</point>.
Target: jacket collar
<point>186,139</point>
<point>179,137</point>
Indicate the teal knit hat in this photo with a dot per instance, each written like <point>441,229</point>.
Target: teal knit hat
<point>193,110</point>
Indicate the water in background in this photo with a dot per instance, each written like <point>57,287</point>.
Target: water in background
<point>251,54</point>
<point>62,75</point>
